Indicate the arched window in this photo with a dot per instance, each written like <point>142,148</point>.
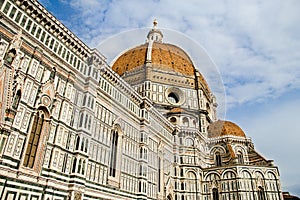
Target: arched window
<point>218,159</point>
<point>82,144</point>
<point>191,183</point>
<point>33,140</point>
<point>181,172</point>
<point>113,155</point>
<point>84,100</point>
<point>240,157</point>
<point>89,101</point>
<point>140,186</point>
<point>74,165</point>
<point>185,122</point>
<point>247,185</point>
<point>86,120</point>
<point>194,123</point>
<point>79,166</point>
<point>77,142</point>
<point>261,193</point>
<point>86,145</point>
<point>215,194</point>
<point>145,154</point>
<point>141,152</point>
<point>141,170</point>
<point>189,142</point>
<point>83,167</point>
<point>81,119</point>
<point>182,186</point>
<point>159,173</point>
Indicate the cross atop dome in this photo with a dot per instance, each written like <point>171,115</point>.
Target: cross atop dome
<point>155,35</point>
<point>154,24</point>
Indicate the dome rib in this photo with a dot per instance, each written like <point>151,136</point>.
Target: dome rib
<point>164,56</point>
<point>131,59</point>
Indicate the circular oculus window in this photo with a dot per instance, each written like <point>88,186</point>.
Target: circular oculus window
<point>174,96</point>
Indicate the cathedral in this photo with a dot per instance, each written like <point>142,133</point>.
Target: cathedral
<point>144,127</point>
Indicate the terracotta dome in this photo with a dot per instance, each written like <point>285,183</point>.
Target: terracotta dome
<point>223,128</point>
<point>164,56</point>
<point>161,57</point>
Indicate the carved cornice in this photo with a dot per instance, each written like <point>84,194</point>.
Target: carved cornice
<point>53,25</point>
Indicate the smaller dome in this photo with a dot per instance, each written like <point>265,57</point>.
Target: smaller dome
<point>222,128</point>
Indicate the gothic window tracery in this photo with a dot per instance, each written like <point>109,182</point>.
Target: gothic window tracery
<point>218,159</point>
<point>240,157</point>
<point>34,139</point>
<point>191,181</point>
<point>113,156</point>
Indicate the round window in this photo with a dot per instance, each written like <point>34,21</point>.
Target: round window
<point>174,96</point>
<point>173,120</point>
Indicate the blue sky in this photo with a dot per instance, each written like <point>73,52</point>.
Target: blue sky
<point>255,45</point>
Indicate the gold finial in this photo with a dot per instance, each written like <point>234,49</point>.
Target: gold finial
<point>154,23</point>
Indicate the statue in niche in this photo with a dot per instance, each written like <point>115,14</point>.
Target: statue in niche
<point>17,60</point>
<point>52,74</point>
<point>17,41</point>
<point>10,56</point>
<point>14,48</point>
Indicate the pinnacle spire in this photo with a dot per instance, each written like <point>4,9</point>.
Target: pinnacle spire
<point>155,24</point>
